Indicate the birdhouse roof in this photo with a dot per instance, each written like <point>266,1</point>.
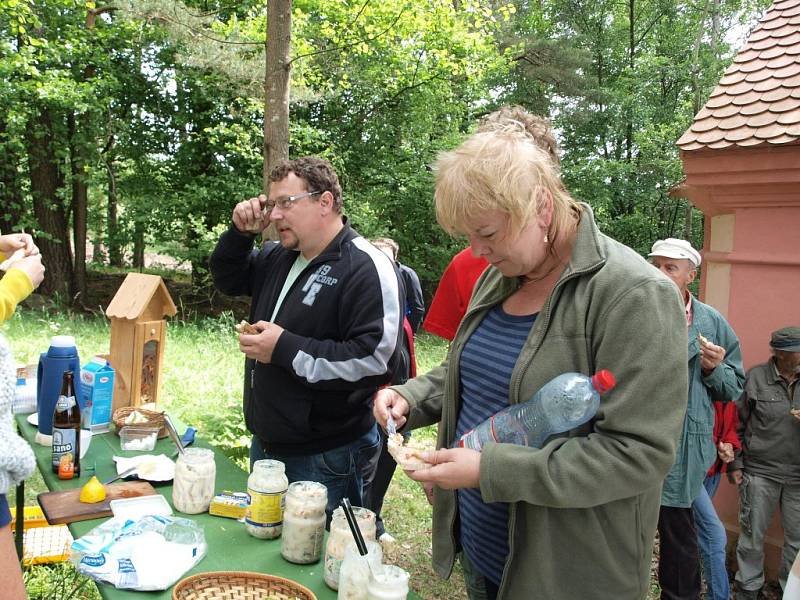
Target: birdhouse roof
<point>138,293</point>
<point>757,101</point>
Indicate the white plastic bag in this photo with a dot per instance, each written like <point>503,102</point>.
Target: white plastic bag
<point>150,553</point>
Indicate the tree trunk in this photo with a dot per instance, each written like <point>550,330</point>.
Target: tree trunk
<point>48,207</point>
<point>138,245</point>
<point>11,198</point>
<point>79,210</point>
<point>112,238</point>
<point>276,85</point>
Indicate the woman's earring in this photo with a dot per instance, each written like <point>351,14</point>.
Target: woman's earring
<point>546,239</point>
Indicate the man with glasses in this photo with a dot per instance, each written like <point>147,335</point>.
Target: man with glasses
<point>328,309</point>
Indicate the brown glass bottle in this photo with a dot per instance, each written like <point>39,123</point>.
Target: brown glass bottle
<point>67,431</point>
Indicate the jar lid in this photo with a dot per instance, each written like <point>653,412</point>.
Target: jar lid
<point>309,488</point>
<point>268,463</point>
<point>196,455</point>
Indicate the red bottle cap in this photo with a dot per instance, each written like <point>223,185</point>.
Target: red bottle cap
<point>603,381</point>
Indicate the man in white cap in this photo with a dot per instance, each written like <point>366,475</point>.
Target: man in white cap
<point>715,373</point>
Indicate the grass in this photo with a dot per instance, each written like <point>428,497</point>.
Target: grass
<point>202,385</point>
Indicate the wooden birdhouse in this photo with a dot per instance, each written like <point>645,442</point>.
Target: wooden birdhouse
<point>138,332</point>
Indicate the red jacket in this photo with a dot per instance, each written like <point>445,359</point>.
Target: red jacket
<point>725,421</point>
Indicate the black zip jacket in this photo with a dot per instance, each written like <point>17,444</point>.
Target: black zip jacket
<point>343,326</point>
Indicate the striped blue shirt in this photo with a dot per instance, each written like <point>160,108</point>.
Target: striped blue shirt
<point>486,364</point>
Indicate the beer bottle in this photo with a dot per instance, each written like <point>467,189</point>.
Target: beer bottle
<point>67,431</point>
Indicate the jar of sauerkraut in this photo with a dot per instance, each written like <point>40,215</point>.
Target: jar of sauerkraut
<point>193,486</point>
<point>267,489</point>
<point>338,538</point>
<point>304,522</point>
<point>388,583</point>
<point>354,575</point>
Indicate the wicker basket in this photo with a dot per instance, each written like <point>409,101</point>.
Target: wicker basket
<point>239,585</point>
<point>154,419</point>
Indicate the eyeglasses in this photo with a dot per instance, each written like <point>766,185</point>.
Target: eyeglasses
<point>284,202</point>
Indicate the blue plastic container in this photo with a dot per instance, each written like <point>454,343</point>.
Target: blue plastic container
<point>62,355</point>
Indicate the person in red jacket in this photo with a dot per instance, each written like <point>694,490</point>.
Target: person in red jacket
<point>452,296</point>
<point>711,536</point>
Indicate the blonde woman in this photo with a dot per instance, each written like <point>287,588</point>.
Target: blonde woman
<point>576,518</point>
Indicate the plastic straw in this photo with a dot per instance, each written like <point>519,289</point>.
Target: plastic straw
<point>354,529</point>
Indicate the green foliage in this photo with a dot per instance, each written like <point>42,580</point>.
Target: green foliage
<point>168,101</point>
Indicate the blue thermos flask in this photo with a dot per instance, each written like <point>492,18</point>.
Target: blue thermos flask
<point>62,355</point>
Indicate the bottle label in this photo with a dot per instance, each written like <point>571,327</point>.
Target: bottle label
<point>65,403</point>
<point>266,509</point>
<point>64,448</point>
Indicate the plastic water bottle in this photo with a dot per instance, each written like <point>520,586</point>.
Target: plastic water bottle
<point>562,404</point>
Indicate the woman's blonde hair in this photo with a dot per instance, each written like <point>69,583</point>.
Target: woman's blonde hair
<point>505,170</point>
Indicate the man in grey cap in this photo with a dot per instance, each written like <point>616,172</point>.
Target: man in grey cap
<point>767,470</point>
<point>715,373</point>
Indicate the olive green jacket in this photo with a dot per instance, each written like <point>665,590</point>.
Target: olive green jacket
<point>583,509</point>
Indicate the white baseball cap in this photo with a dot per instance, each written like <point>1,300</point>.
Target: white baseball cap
<point>675,248</point>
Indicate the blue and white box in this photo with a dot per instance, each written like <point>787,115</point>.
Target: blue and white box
<point>97,377</point>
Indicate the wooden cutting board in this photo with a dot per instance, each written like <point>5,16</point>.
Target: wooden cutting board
<point>65,507</point>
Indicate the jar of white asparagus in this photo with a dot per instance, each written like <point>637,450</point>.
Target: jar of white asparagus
<point>304,522</point>
<point>193,486</point>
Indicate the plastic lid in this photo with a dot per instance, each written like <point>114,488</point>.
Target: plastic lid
<point>63,341</point>
<point>603,381</point>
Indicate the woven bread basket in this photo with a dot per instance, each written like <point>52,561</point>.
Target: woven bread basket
<point>239,585</point>
<point>154,419</point>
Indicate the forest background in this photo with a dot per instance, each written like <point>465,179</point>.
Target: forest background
<point>134,127</point>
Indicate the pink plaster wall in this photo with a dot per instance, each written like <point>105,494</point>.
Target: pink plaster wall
<point>761,188</point>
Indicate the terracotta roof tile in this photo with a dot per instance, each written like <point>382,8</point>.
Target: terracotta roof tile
<point>720,100</point>
<point>762,120</point>
<point>772,52</point>
<point>742,133</point>
<point>789,118</point>
<point>776,95</point>
<point>730,123</point>
<point>710,136</point>
<point>770,131</point>
<point>757,100</point>
<point>784,105</point>
<point>767,85</point>
<point>753,141</point>
<point>718,144</point>
<point>750,97</point>
<point>757,76</point>
<point>755,108</point>
<point>781,61</point>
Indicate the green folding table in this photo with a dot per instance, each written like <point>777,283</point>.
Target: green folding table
<point>230,547</point>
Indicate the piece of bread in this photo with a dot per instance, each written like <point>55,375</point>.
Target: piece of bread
<point>703,339</point>
<point>408,457</point>
<point>246,328</point>
<point>9,262</point>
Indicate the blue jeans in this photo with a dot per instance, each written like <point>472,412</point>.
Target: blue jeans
<point>711,539</point>
<point>478,587</point>
<point>342,470</point>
